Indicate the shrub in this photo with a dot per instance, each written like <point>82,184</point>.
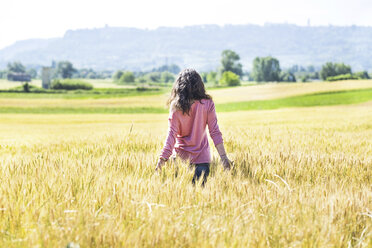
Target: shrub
<point>70,84</point>
<point>361,74</point>
<point>26,87</point>
<point>342,77</point>
<point>305,78</point>
<point>229,79</point>
<point>146,89</point>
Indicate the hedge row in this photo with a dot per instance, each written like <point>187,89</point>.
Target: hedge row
<point>70,84</point>
<point>342,77</point>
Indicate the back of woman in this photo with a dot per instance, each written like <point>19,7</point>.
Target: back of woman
<point>191,110</point>
<point>190,132</point>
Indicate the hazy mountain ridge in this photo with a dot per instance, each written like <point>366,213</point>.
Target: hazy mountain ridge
<point>197,46</point>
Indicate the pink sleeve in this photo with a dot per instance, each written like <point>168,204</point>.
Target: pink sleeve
<point>171,138</point>
<point>214,130</point>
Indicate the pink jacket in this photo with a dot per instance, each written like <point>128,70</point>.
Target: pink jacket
<point>187,136</point>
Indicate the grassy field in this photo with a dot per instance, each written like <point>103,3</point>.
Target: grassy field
<point>5,84</point>
<point>302,176</point>
<point>97,83</point>
<point>120,107</point>
<point>282,90</point>
<point>265,96</point>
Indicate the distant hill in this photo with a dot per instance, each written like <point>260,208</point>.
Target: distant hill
<point>197,46</point>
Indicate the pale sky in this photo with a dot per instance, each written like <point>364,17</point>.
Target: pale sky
<point>25,19</point>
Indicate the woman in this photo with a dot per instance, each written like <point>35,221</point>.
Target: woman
<point>191,110</point>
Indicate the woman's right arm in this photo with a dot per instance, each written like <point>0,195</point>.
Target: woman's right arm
<point>170,140</point>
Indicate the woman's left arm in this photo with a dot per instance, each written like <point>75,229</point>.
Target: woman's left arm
<point>216,136</point>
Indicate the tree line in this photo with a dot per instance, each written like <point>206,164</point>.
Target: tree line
<point>61,69</point>
<point>267,69</point>
<point>229,73</point>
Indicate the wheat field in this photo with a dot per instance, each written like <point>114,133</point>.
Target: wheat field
<point>302,178</point>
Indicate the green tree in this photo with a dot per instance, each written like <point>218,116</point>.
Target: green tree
<point>266,69</point>
<point>212,77</point>
<point>91,75</point>
<point>117,75</point>
<point>204,75</point>
<point>310,68</point>
<point>230,62</point>
<point>288,77</point>
<point>173,68</point>
<point>229,78</point>
<point>316,75</point>
<point>330,69</point>
<point>305,78</point>
<point>294,69</point>
<point>141,79</point>
<point>341,69</point>
<point>16,67</point>
<point>65,69</point>
<point>167,77</point>
<point>127,77</point>
<point>154,77</point>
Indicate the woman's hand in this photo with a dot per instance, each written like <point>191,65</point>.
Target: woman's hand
<point>160,164</point>
<point>226,162</point>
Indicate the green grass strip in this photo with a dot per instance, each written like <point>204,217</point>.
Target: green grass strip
<point>98,93</point>
<point>310,100</point>
<point>94,110</point>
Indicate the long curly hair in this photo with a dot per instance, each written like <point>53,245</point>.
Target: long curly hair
<point>187,88</point>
